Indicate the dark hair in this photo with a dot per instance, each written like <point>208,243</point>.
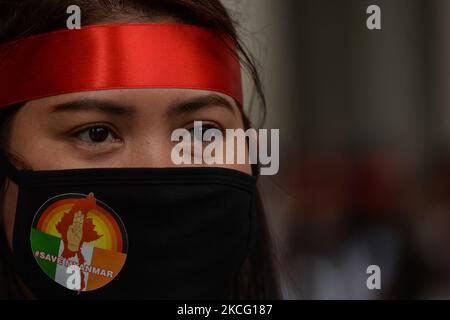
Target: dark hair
<point>257,278</point>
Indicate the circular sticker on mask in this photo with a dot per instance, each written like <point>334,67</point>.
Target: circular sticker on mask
<point>78,241</point>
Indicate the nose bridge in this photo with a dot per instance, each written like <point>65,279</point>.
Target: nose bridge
<point>152,151</point>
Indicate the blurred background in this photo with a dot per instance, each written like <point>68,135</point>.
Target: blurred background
<point>364,119</point>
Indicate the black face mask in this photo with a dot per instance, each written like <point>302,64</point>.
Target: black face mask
<point>180,233</point>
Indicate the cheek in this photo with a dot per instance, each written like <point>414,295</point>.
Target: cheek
<point>34,149</point>
<point>31,142</point>
<point>235,165</point>
<point>26,136</point>
<point>245,168</point>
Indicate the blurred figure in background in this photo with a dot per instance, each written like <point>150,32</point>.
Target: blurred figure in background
<point>364,118</point>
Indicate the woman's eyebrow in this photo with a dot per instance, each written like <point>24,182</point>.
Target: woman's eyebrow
<point>197,103</point>
<point>95,105</point>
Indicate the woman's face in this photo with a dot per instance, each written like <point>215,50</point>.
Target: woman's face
<point>111,128</point>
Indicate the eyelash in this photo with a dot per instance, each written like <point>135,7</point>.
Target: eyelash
<point>205,126</point>
<point>75,133</point>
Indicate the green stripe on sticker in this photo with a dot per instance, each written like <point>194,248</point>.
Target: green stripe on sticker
<point>45,248</point>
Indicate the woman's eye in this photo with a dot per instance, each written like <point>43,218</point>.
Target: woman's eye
<point>96,134</point>
<point>198,133</point>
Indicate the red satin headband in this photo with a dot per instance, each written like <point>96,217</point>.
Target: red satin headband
<point>118,56</point>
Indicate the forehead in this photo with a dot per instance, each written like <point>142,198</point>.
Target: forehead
<point>143,100</point>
